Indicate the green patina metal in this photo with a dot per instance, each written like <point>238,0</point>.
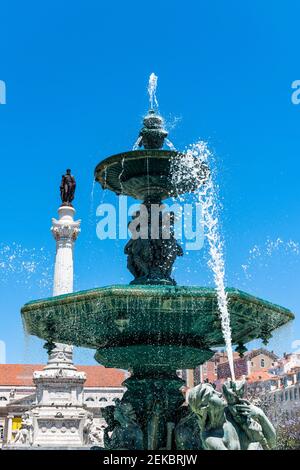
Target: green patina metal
<point>158,325</point>
<point>146,173</point>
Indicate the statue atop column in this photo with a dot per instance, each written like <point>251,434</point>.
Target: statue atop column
<point>67,188</point>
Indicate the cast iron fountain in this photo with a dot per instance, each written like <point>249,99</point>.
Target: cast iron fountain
<point>153,327</point>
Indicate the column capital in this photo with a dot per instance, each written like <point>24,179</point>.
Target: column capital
<point>65,227</point>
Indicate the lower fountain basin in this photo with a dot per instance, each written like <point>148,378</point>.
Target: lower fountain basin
<point>146,174</point>
<point>165,326</point>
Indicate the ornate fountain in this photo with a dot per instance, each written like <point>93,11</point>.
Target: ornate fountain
<point>153,327</point>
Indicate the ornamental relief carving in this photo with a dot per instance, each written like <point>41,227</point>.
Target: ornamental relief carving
<point>65,232</point>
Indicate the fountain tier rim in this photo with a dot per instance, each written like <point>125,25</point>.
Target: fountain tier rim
<point>145,290</point>
<point>116,320</point>
<point>147,173</point>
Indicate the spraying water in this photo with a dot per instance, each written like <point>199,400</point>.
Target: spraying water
<point>261,255</point>
<point>137,143</point>
<point>170,144</point>
<point>207,196</point>
<point>29,267</point>
<point>152,86</point>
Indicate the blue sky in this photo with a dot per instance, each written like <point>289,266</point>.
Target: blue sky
<point>76,75</point>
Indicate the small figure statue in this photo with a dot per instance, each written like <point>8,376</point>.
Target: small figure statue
<point>25,433</point>
<point>258,432</point>
<point>127,434</point>
<point>151,259</point>
<point>92,434</point>
<point>216,431</point>
<point>233,425</point>
<point>67,188</point>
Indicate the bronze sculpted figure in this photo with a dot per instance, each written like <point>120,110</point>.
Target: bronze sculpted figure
<point>67,188</point>
<point>127,434</point>
<point>234,424</point>
<point>151,254</point>
<point>257,430</point>
<point>216,431</point>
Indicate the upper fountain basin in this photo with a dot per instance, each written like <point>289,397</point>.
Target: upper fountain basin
<point>144,174</point>
<point>162,325</point>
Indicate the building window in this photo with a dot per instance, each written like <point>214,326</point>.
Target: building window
<point>262,363</point>
<point>102,399</point>
<point>3,399</point>
<point>90,399</point>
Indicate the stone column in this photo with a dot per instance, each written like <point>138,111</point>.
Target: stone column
<point>59,416</point>
<point>9,429</point>
<point>65,231</point>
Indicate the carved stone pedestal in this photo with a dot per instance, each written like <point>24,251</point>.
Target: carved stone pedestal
<point>59,417</point>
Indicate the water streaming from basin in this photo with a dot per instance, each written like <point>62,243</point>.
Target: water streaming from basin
<point>207,196</point>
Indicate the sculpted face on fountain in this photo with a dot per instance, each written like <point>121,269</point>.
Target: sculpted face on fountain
<point>207,404</point>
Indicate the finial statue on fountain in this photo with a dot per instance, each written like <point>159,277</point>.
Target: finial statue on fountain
<point>153,134</point>
<point>67,188</point>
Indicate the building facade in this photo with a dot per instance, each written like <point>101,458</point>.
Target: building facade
<point>18,394</point>
<point>252,362</point>
<point>278,388</point>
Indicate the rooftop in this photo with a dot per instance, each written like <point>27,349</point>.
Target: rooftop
<point>97,376</point>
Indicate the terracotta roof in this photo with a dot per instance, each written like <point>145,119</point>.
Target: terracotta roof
<point>260,376</point>
<point>257,352</point>
<point>97,376</point>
